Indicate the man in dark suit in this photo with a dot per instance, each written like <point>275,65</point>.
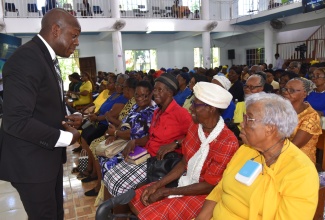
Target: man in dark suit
<point>33,134</point>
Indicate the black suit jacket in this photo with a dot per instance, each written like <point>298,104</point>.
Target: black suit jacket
<point>33,111</point>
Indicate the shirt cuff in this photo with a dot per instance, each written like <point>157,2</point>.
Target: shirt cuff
<point>64,139</point>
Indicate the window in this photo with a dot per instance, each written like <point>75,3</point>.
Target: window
<point>255,56</point>
<point>68,66</point>
<point>192,4</point>
<point>198,57</point>
<point>143,60</point>
<point>247,7</point>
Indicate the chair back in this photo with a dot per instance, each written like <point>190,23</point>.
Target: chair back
<point>32,8</point>
<point>10,7</point>
<point>97,9</point>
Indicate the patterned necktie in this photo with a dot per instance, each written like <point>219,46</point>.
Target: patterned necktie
<point>58,73</point>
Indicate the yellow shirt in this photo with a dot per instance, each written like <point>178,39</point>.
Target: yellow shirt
<point>239,111</point>
<point>286,190</point>
<point>101,98</point>
<point>84,99</point>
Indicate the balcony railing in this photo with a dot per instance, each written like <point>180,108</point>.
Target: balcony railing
<point>187,9</point>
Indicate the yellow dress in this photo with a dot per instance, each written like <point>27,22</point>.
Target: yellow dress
<point>309,121</point>
<point>286,190</point>
<point>84,99</point>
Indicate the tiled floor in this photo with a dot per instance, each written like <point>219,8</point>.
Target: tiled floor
<point>76,205</point>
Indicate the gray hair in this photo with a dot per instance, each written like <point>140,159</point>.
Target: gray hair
<point>296,64</point>
<point>277,111</point>
<point>306,83</point>
<point>262,80</point>
<point>124,76</point>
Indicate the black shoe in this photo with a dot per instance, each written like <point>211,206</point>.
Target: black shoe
<point>89,179</point>
<point>77,150</point>
<point>105,208</point>
<point>91,192</point>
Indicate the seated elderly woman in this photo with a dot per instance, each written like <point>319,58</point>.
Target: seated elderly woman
<point>168,128</point>
<point>207,148</point>
<point>114,104</point>
<point>318,78</point>
<point>305,135</point>
<point>286,184</point>
<point>139,119</point>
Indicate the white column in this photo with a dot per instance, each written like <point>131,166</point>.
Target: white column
<point>118,52</point>
<point>268,43</point>
<point>205,13</point>
<point>115,9</point>
<point>206,49</point>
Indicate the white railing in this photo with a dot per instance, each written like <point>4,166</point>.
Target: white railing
<point>187,9</point>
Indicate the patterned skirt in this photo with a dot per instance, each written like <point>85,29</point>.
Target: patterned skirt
<point>125,176</point>
<point>179,208</point>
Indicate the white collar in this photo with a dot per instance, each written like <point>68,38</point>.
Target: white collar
<point>52,53</point>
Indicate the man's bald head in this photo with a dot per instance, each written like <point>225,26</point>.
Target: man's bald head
<point>57,16</point>
<point>61,30</point>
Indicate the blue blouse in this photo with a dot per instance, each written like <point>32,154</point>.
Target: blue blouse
<point>140,121</point>
<point>182,95</point>
<point>317,101</point>
<point>108,104</point>
<point>228,113</point>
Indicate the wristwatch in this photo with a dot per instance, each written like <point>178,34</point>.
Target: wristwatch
<point>178,145</point>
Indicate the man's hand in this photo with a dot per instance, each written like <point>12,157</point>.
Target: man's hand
<point>75,132</point>
<point>74,120</point>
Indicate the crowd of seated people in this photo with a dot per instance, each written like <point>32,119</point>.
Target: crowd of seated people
<point>275,127</point>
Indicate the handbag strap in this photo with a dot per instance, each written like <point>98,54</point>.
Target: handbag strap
<point>83,153</point>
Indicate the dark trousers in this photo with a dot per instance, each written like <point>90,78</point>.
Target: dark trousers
<point>43,201</point>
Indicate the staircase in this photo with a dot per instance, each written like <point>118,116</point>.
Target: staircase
<point>315,47</point>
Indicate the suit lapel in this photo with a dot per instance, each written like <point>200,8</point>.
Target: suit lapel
<point>50,63</point>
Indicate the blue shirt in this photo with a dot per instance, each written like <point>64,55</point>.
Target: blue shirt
<point>182,95</point>
<point>108,104</point>
<point>317,101</point>
<point>228,114</point>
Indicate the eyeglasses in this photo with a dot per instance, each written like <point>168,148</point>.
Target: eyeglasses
<point>195,105</point>
<point>247,119</point>
<point>316,77</point>
<point>141,97</point>
<point>290,90</point>
<point>250,87</point>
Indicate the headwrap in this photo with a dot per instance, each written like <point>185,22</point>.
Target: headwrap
<point>212,94</point>
<point>224,81</point>
<point>185,76</point>
<point>169,80</point>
